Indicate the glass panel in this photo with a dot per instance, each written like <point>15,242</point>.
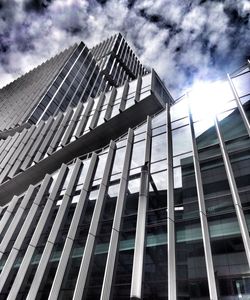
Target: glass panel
<point>159,119</point>
<point>232,125</point>
<point>185,192</point>
<point>179,110</point>
<point>230,263</point>
<point>71,273</point>
<point>30,273</point>
<point>190,269</point>
<point>122,275</point>
<point>215,185</point>
<point>158,166</point>
<point>138,154</point>
<point>156,264</point>
<point>205,133</point>
<point>159,147</point>
<point>100,165</point>
<point>181,140</point>
<point>140,129</point>
<point>241,84</point>
<point>180,123</point>
<point>146,80</point>
<point>119,160</point>
<point>102,243</point>
<point>158,181</point>
<point>115,110</point>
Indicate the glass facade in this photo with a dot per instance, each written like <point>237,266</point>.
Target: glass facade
<point>143,197</point>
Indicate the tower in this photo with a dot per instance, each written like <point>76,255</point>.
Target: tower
<point>110,189</point>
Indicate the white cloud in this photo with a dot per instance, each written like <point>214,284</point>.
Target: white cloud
<point>188,40</point>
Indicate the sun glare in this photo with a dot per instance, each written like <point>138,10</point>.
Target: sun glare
<point>209,98</point>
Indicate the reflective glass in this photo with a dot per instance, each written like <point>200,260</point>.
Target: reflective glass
<point>205,133</point>
<point>123,272</point>
<point>119,160</point>
<point>102,243</point>
<point>159,147</point>
<point>138,154</point>
<point>155,262</point>
<point>179,110</point>
<point>181,140</point>
<point>232,125</point>
<point>229,257</point>
<point>190,262</point>
<point>241,83</point>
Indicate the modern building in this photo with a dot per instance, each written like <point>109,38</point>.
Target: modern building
<point>110,189</point>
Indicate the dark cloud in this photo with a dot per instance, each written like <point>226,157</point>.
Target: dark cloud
<point>102,2</point>
<point>183,40</point>
<point>36,5</point>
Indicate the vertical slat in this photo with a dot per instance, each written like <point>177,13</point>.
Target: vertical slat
<point>124,96</point>
<point>37,144</point>
<point>96,114</point>
<point>99,52</point>
<point>14,224</point>
<point>83,122</point>
<point>12,150</point>
<point>21,236</point>
<point>79,212</point>
<point>115,232</point>
<point>107,42</point>
<point>120,46</point>
<point>137,67</point>
<point>8,147</point>
<point>140,70</point>
<point>113,68</point>
<point>138,89</point>
<point>22,145</point>
<point>94,226</point>
<point>8,213</point>
<point>203,215</point>
<point>93,50</point>
<point>37,234</point>
<point>27,147</point>
<point>140,236</point>
<point>110,46</point>
<point>59,133</point>
<point>148,142</point>
<point>124,51</point>
<point>49,136</point>
<point>4,143</point>
<point>134,64</point>
<point>110,104</point>
<point>170,212</point>
<point>34,207</point>
<point>234,192</point>
<point>239,105</point>
<point>72,124</point>
<point>116,71</point>
<point>54,232</point>
<point>14,154</point>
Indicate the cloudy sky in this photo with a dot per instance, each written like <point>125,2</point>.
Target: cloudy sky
<point>185,41</point>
